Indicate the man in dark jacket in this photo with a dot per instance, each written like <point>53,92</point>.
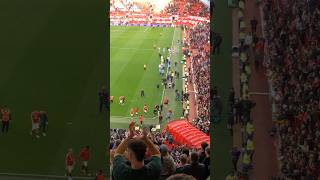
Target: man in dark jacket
<point>195,169</point>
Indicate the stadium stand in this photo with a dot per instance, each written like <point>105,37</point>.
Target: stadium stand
<point>290,52</point>
<point>143,14</point>
<point>293,62</point>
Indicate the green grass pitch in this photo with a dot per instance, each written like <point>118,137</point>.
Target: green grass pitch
<point>131,48</point>
<point>52,57</point>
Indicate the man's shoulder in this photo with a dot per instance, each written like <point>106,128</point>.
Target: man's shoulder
<point>154,165</point>
<point>119,164</point>
<point>154,159</point>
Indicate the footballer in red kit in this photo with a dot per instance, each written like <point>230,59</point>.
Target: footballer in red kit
<point>35,119</point>
<point>85,156</point>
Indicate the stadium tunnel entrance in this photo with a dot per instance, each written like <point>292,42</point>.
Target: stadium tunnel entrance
<point>184,133</point>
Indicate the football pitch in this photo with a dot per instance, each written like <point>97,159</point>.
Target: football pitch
<point>130,49</point>
<point>52,60</point>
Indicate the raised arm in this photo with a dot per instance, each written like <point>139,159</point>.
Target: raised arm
<point>123,145</point>
<point>152,148</point>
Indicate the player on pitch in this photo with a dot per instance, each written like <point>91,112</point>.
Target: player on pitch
<point>145,108</point>
<point>141,119</point>
<point>5,118</point>
<point>35,119</point>
<point>136,110</point>
<point>43,122</point>
<point>122,100</point>
<point>85,156</point>
<point>69,162</point>
<point>131,113</point>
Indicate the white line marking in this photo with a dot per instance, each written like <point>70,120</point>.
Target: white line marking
<point>127,117</point>
<point>172,46</point>
<point>41,175</point>
<point>141,49</point>
<point>145,30</point>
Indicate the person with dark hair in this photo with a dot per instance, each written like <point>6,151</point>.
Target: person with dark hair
<point>186,151</point>
<point>136,149</point>
<point>167,163</point>
<point>202,154</point>
<point>195,169</point>
<point>183,161</point>
<point>181,177</point>
<point>206,162</point>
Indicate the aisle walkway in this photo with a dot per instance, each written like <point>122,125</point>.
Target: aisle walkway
<point>264,159</point>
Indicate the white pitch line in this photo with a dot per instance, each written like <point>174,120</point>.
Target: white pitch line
<point>41,175</point>
<point>128,117</point>
<point>145,30</point>
<point>174,32</point>
<point>141,49</point>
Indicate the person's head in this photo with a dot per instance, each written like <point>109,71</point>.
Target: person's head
<point>204,145</point>
<point>183,159</point>
<point>136,150</point>
<point>87,147</point>
<point>181,177</point>
<point>186,151</point>
<point>194,157</point>
<point>70,150</point>
<point>100,172</point>
<point>164,150</point>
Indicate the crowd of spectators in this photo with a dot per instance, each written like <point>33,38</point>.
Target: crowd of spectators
<point>187,7</point>
<point>175,7</point>
<point>174,158</point>
<point>293,63</point>
<point>197,50</point>
<point>131,6</point>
